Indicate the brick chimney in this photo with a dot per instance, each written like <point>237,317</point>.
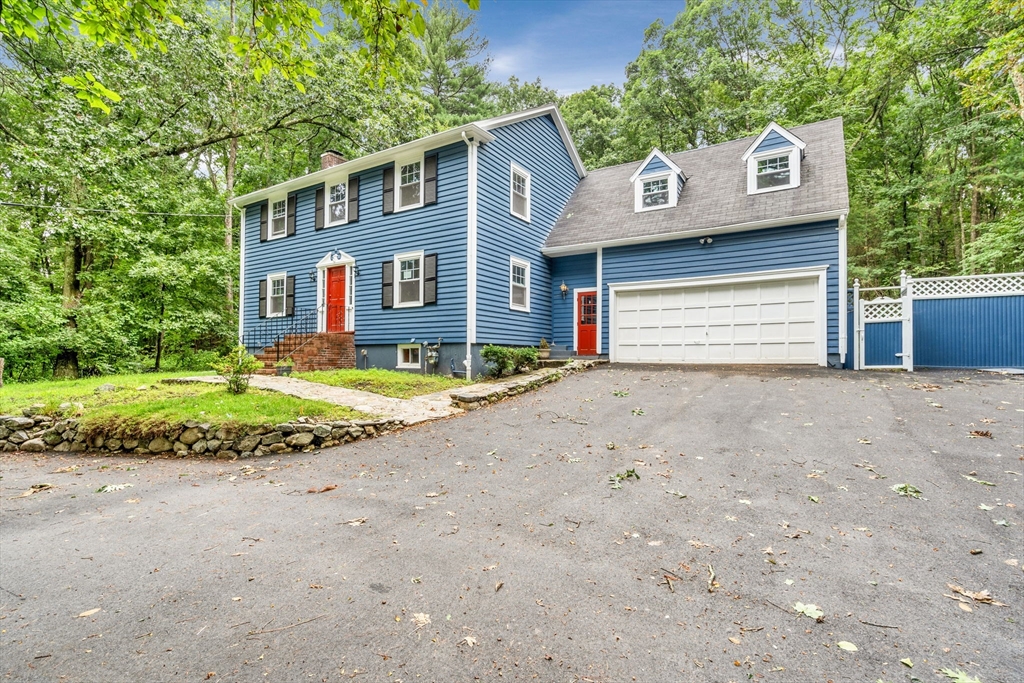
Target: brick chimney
<point>331,158</point>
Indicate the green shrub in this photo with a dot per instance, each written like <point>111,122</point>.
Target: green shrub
<point>506,360</point>
<point>237,367</point>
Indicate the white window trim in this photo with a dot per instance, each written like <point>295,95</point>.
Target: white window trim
<point>576,316</point>
<point>638,191</point>
<point>397,279</point>
<point>516,168</point>
<point>513,261</point>
<point>398,182</point>
<point>283,275</point>
<point>794,169</point>
<point>408,366</point>
<point>330,260</point>
<point>270,217</point>
<point>328,223</point>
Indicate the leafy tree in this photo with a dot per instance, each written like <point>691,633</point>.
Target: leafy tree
<point>594,117</point>
<point>515,95</point>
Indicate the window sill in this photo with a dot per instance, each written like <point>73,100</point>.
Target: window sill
<point>653,208</point>
<point>334,225</point>
<point>522,218</point>
<point>520,309</point>
<point>399,209</point>
<point>271,238</point>
<point>773,189</point>
<point>416,304</point>
<point>403,366</point>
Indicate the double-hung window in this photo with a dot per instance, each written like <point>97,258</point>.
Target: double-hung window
<point>410,279</point>
<point>336,198</point>
<point>276,294</point>
<point>519,285</point>
<point>410,185</point>
<point>278,218</point>
<point>773,172</point>
<point>655,193</point>
<point>520,191</point>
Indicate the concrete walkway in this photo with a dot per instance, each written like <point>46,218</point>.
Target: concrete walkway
<point>409,411</point>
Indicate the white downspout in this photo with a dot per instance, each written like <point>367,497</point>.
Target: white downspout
<point>842,290</point>
<point>600,300</point>
<point>241,277</point>
<point>471,227</point>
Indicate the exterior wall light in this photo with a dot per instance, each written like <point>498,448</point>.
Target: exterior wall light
<point>705,240</point>
<point>564,289</point>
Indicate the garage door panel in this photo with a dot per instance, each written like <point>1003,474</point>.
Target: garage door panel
<point>751,322</point>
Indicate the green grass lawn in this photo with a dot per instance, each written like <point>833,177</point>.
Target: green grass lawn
<point>384,382</point>
<point>136,411</point>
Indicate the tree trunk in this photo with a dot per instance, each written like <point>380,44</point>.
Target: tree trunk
<point>1017,77</point>
<point>65,366</point>
<point>160,332</point>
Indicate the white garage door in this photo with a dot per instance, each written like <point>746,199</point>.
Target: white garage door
<point>755,322</point>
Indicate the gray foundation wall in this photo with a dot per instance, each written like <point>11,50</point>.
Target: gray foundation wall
<point>385,356</point>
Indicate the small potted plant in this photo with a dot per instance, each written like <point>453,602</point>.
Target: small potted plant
<point>545,350</point>
<point>284,366</point>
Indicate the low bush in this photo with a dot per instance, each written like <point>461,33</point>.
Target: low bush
<point>506,360</point>
<point>237,367</point>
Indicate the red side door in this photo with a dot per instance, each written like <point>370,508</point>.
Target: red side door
<point>586,324</point>
<point>336,299</point>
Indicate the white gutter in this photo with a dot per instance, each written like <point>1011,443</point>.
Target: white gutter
<point>369,161</point>
<point>471,226</point>
<point>600,300</point>
<point>588,247</point>
<point>842,289</point>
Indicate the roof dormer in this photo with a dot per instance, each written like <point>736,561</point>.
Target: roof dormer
<point>656,183</point>
<point>773,160</point>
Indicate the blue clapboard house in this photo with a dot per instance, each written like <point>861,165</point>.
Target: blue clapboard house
<point>493,232</point>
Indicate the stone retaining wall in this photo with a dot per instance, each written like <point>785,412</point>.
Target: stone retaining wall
<point>39,433</point>
<point>482,395</point>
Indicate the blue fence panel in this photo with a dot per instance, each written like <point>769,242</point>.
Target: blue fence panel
<point>851,340</point>
<point>973,332</point>
<point>882,341</point>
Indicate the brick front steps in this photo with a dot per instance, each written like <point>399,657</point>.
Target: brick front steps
<point>324,351</point>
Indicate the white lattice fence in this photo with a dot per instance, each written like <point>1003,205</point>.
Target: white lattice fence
<point>882,309</point>
<point>969,285</point>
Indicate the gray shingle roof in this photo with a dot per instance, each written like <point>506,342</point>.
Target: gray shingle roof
<point>715,194</point>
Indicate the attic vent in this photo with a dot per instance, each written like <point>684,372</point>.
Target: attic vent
<point>330,158</point>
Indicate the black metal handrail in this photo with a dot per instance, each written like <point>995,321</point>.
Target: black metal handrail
<point>304,324</point>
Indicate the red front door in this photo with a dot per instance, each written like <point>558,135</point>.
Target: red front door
<point>586,324</point>
<point>336,299</point>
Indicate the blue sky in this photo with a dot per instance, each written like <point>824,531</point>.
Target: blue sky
<point>570,44</point>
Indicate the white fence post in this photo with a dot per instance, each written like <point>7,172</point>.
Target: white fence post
<point>858,329</point>
<point>907,301</point>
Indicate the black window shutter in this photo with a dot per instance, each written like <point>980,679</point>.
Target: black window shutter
<point>289,296</point>
<point>291,214</point>
<point>353,200</point>
<point>263,298</point>
<point>263,222</point>
<point>430,278</point>
<point>389,191</point>
<point>430,179</point>
<point>318,220</point>
<point>387,284</point>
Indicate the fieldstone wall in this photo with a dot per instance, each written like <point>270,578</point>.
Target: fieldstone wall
<point>41,433</point>
<point>480,395</point>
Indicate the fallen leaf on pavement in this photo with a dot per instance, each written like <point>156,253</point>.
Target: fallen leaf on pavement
<point>907,663</point>
<point>985,507</point>
<point>107,488</point>
<point>35,488</point>
<point>420,619</point>
<point>809,610</point>
<point>89,613</point>
<point>469,640</point>
<point>735,641</point>
<point>959,676</point>
<point>497,586</point>
<point>65,470</point>
<point>984,596</point>
<point>976,480</point>
<point>433,494</point>
<point>864,441</point>
<point>979,434</point>
<point>357,521</point>
<point>845,645</point>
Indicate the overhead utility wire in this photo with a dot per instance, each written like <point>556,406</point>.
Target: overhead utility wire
<point>136,213</point>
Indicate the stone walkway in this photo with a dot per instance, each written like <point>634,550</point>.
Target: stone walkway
<point>414,410</point>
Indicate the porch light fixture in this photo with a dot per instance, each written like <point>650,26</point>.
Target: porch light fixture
<point>563,289</point>
<point>705,240</point>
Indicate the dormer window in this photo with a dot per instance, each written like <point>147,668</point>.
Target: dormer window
<point>655,193</point>
<point>656,183</point>
<point>773,160</point>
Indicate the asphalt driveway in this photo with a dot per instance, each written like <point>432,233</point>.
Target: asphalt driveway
<point>494,546</point>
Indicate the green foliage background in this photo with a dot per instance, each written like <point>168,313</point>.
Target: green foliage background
<point>136,267</point>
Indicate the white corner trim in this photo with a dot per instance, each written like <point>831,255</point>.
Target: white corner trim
<point>397,279</point>
<point>471,246</point>
<point>576,317</point>
<point>513,261</point>
<point>638,191</point>
<point>600,297</point>
<point>241,273</point>
<point>773,127</point>
<point>513,169</point>
<point>820,272</point>
<point>556,115</point>
<point>655,153</point>
<point>843,332</point>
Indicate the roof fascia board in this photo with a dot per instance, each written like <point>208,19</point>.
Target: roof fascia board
<point>363,163</point>
<point>655,153</point>
<point>556,116</point>
<point>769,129</point>
<point>569,250</point>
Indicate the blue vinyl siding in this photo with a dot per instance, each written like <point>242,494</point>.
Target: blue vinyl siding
<point>772,141</point>
<point>812,244</point>
<point>882,341</point>
<point>577,272</point>
<point>535,145</point>
<point>655,165</point>
<point>970,332</point>
<point>374,238</point>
